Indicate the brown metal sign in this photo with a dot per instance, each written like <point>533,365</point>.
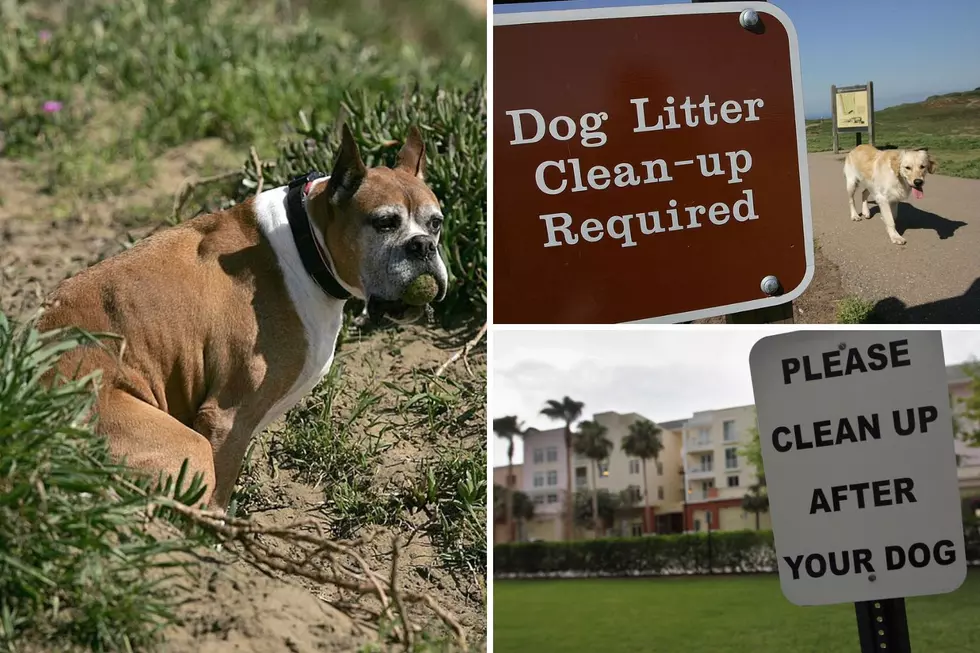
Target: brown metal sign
<point>649,163</point>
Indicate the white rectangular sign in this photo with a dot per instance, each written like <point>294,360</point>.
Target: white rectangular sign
<point>857,442</point>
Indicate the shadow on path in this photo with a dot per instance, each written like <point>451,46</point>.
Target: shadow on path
<point>911,217</point>
<point>964,309</point>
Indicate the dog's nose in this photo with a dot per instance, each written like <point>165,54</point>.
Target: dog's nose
<point>918,183</point>
<point>421,248</point>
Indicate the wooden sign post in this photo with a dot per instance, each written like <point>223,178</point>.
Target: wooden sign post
<point>852,112</point>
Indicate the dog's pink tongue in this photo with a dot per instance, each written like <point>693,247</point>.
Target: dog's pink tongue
<point>916,193</point>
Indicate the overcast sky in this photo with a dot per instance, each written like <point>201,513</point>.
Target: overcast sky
<point>662,375</point>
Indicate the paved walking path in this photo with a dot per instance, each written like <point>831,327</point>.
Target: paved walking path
<point>935,278</point>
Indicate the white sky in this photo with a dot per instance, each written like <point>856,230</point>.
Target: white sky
<point>661,374</point>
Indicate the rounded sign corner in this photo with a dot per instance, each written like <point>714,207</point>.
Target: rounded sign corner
<point>811,270</point>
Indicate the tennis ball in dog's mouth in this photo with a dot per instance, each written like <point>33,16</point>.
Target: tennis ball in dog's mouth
<point>421,291</point>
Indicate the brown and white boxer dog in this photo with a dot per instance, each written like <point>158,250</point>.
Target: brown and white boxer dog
<point>229,319</point>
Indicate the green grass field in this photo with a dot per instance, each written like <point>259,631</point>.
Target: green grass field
<point>949,125</point>
<point>730,614</point>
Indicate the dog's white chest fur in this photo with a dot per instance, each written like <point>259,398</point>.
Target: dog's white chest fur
<point>321,315</point>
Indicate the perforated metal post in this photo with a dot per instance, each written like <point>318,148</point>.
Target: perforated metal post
<point>882,626</point>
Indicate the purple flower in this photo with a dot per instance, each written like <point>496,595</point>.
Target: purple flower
<point>52,106</point>
<point>44,35</point>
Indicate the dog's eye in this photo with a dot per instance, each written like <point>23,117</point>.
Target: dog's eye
<point>435,224</point>
<point>908,167</point>
<point>388,222</point>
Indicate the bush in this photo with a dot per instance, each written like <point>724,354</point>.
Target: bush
<point>75,566</point>
<point>735,551</point>
<point>454,126</point>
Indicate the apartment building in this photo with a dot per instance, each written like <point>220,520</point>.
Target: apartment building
<point>700,472</point>
<point>513,481</point>
<point>967,457</point>
<point>716,475</point>
<point>542,478</point>
<point>622,475</point>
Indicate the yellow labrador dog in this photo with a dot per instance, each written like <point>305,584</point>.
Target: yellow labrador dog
<point>889,176</point>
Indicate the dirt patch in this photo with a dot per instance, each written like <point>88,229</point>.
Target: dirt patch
<point>229,604</point>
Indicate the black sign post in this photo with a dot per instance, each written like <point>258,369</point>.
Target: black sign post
<point>882,626</point>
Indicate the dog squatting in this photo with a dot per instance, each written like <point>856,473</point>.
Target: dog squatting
<point>562,230</point>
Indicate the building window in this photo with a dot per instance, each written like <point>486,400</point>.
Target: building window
<point>697,525</point>
<point>538,456</point>
<point>728,431</point>
<point>636,528</point>
<point>704,436</point>
<point>538,479</point>
<point>733,481</point>
<point>538,499</point>
<point>660,468</point>
<point>707,462</point>
<point>581,477</point>
<point>660,492</point>
<point>634,466</point>
<point>552,477</point>
<point>552,498</point>
<point>731,458</point>
<point>552,454</point>
<point>604,469</point>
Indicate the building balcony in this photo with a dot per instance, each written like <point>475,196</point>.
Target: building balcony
<point>695,444</point>
<point>696,473</point>
<point>702,495</point>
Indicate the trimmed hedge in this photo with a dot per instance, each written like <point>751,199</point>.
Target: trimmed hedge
<point>731,551</point>
<point>454,127</point>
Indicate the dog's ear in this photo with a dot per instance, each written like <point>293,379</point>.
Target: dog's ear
<point>411,158</point>
<point>348,169</point>
<point>932,165</point>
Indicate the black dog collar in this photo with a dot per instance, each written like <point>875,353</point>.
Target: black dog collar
<point>309,248</point>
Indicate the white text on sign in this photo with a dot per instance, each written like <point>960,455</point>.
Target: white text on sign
<point>573,175</point>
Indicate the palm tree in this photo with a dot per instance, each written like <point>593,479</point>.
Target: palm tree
<point>591,442</point>
<point>523,507</point>
<point>643,442</point>
<point>567,410</point>
<point>508,428</point>
<point>757,499</point>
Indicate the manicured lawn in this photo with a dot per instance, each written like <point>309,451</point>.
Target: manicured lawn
<point>725,615</point>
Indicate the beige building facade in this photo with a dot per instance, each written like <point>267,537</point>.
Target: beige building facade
<point>699,479</point>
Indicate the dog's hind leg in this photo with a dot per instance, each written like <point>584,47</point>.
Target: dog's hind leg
<point>153,442</point>
<point>852,184</point>
<point>865,211</point>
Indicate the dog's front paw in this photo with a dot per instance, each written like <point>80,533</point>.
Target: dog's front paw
<point>898,240</point>
<point>866,215</point>
<point>856,217</point>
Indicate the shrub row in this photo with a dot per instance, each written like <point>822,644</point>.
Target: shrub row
<point>729,552</point>
<point>738,551</point>
<point>454,127</point>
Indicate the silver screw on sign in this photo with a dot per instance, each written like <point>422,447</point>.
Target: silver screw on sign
<point>770,285</point>
<point>748,18</point>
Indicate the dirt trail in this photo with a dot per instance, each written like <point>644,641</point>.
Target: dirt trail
<point>935,278</point>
